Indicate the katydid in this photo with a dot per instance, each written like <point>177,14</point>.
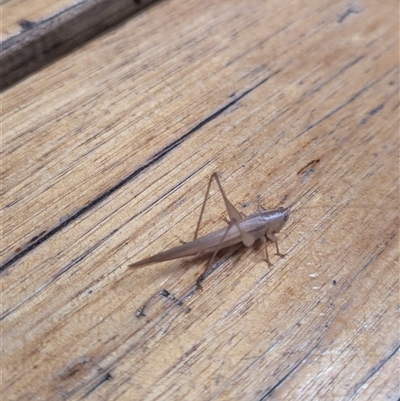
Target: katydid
<point>263,224</point>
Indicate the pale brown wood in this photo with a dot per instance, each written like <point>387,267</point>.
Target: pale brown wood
<point>105,160</point>
<point>17,14</point>
<point>34,33</point>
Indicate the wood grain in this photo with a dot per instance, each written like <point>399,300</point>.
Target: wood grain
<point>35,33</point>
<point>19,15</point>
<point>106,155</point>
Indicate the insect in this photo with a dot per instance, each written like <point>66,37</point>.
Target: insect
<point>263,224</point>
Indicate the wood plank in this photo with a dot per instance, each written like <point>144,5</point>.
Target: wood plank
<point>19,15</point>
<point>37,33</point>
<point>107,153</point>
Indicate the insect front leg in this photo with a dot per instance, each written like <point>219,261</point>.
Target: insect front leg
<point>274,239</point>
<point>264,240</point>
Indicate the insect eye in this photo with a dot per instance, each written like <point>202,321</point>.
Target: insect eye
<point>286,217</point>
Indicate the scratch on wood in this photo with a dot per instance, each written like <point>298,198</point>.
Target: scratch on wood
<point>166,294</point>
<point>78,367</point>
<point>371,113</point>
<point>102,380</point>
<point>343,16</point>
<point>308,168</point>
<point>72,376</point>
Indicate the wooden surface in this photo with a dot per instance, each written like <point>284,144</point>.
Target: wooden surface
<point>105,159</point>
<point>34,33</point>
